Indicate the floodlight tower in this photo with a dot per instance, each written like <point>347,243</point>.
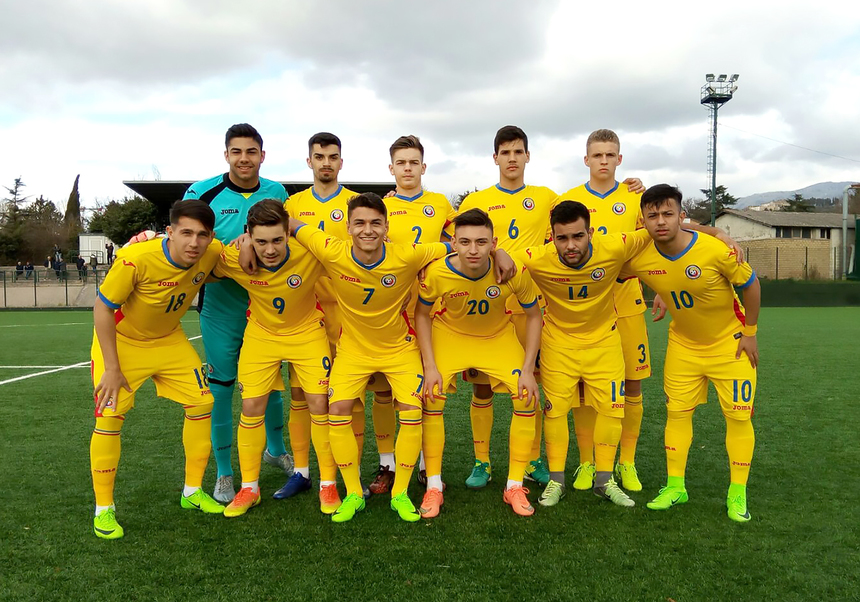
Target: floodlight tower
<point>715,93</point>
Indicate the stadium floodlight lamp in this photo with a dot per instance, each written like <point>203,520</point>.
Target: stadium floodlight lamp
<point>733,90</point>
<point>722,77</point>
<point>709,77</point>
<point>715,94</point>
<point>734,78</point>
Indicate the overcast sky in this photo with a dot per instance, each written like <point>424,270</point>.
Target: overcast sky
<point>119,90</point>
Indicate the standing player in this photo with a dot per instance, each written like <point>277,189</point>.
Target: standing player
<point>284,324</point>
<point>473,330</point>
<point>614,208</point>
<point>323,205</point>
<point>222,316</point>
<point>138,335</point>
<point>414,216</point>
<point>371,281</point>
<point>712,337</point>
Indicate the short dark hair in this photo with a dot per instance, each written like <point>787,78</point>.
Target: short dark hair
<point>323,139</point>
<point>199,210</point>
<point>510,133</point>
<point>407,142</point>
<point>369,200</point>
<point>242,130</point>
<point>658,194</point>
<point>268,212</point>
<point>567,212</point>
<point>473,217</point>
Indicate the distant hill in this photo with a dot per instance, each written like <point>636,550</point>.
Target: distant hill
<point>822,190</point>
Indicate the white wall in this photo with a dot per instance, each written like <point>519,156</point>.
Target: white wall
<point>741,229</point>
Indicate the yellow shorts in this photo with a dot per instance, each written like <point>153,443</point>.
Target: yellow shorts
<point>686,374</point>
<point>351,373</point>
<point>332,330</point>
<point>262,354</point>
<point>600,368</point>
<point>500,358</point>
<point>171,362</point>
<point>477,377</point>
<point>378,382</point>
<point>634,342</point>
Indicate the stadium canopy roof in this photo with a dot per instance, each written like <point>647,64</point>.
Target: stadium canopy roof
<point>162,193</point>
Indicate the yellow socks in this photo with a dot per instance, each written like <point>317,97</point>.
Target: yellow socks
<point>322,447</point>
<point>197,441</point>
<point>406,448</point>
<point>384,423</point>
<point>433,430</point>
<point>345,451</point>
<point>300,433</point>
<point>481,413</point>
<point>740,442</point>
<point>678,438</point>
<point>104,457</point>
<point>557,436</point>
<point>358,420</point>
<point>631,425</point>
<point>251,441</point>
<point>607,432</point>
<point>584,418</point>
<point>520,442</point>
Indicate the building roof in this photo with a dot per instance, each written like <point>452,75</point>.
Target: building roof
<point>792,219</point>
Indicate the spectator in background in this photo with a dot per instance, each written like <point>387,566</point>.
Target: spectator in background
<point>60,268</point>
<point>58,254</point>
<point>94,262</point>
<point>19,271</point>
<point>82,267</point>
<point>28,270</point>
<point>49,265</point>
<point>109,249</point>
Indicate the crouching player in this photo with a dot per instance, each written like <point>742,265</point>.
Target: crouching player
<point>140,303</point>
<point>474,330</point>
<point>712,337</point>
<point>284,324</point>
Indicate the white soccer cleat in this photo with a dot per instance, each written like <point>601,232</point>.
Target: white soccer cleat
<point>224,491</point>
<point>284,462</point>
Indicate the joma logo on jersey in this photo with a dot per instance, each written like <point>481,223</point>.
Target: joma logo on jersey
<point>399,212</point>
<point>336,215</point>
<point>429,211</point>
<point>388,280</point>
<point>657,272</point>
<point>350,279</point>
<point>560,279</point>
<point>460,294</point>
<point>294,281</point>
<point>693,271</point>
<point>598,274</point>
<point>166,283</point>
<point>494,207</point>
<point>619,208</point>
<point>307,213</point>
<point>229,211</point>
<point>493,292</point>
<point>258,282</point>
<point>528,204</point>
<point>198,278</point>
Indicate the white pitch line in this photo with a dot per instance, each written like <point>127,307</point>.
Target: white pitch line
<point>199,336</point>
<point>30,325</point>
<point>27,367</point>
<point>26,376</point>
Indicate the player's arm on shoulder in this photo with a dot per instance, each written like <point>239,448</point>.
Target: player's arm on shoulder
<point>720,235</point>
<point>634,242</point>
<point>428,252</point>
<point>504,266</point>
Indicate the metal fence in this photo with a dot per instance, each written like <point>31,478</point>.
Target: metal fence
<point>46,287</point>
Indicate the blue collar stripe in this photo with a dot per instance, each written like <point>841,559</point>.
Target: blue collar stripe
<point>371,266</point>
<point>329,197</point>
<point>505,190</point>
<point>682,253</point>
<point>603,195</point>
<point>459,273</point>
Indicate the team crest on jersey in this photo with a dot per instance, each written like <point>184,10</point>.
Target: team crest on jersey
<point>493,292</point>
<point>528,203</point>
<point>597,274</point>
<point>209,368</point>
<point>619,208</point>
<point>429,211</point>
<point>693,271</point>
<point>336,215</point>
<point>330,392</point>
<point>294,281</point>
<point>241,387</point>
<point>388,280</point>
<point>198,278</point>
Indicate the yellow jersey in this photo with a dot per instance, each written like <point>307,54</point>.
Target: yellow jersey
<point>282,299</point>
<point>473,307</point>
<point>150,291</point>
<point>615,211</point>
<point>580,309</point>
<point>370,297</point>
<point>328,214</point>
<point>418,219</point>
<point>697,285</point>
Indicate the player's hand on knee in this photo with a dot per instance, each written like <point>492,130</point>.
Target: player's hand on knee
<point>658,309</point>
<point>432,385</point>
<point>634,185</point>
<point>748,345</point>
<point>528,388</point>
<point>108,388</point>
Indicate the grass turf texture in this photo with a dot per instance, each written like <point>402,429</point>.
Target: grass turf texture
<point>802,543</point>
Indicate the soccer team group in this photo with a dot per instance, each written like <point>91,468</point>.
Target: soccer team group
<point>399,296</point>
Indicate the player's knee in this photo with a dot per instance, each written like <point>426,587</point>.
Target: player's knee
<point>436,404</point>
<point>633,388</point>
<point>340,408</point>
<point>198,411</point>
<point>679,414</point>
<point>255,406</point>
<point>296,394</point>
<point>318,403</point>
<point>401,406</point>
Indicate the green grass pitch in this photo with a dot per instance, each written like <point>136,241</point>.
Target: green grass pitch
<point>802,543</point>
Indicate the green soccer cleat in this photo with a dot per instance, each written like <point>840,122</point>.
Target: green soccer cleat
<point>352,504</point>
<point>537,471</point>
<point>405,509</point>
<point>583,478</point>
<point>481,475</point>
<point>552,494</point>
<point>614,494</point>
<point>668,497</point>
<point>626,473</point>
<point>737,507</point>
<point>105,525</point>
<point>200,500</point>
